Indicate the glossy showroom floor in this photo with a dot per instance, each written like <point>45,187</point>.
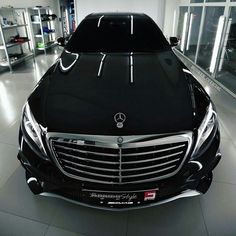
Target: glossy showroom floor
<point>22,213</point>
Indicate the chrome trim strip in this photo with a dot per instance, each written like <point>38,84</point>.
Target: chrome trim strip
<point>99,21</point>
<point>133,191</point>
<point>129,142</point>
<point>187,193</point>
<point>101,65</point>
<point>111,141</point>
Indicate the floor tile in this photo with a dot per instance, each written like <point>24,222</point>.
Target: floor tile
<point>89,221</point>
<point>223,133</point>
<point>181,217</point>
<point>54,231</point>
<point>16,198</point>
<point>11,225</point>
<point>219,209</point>
<point>11,102</point>
<point>225,171</point>
<point>9,162</point>
<point>10,134</point>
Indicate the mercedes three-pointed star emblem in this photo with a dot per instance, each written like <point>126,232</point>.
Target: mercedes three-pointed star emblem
<point>120,119</point>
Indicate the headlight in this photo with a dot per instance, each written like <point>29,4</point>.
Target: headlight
<point>206,127</point>
<point>32,128</point>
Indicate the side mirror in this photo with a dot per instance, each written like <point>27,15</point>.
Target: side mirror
<point>174,41</point>
<point>61,42</point>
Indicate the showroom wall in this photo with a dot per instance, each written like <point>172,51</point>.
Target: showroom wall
<point>54,4</point>
<point>154,8</point>
<point>171,17</point>
<point>207,33</point>
<point>188,1</point>
<point>29,3</point>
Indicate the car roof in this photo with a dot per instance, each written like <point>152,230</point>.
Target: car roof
<point>114,14</point>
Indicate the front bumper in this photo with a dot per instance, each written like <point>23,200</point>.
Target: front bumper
<point>193,179</point>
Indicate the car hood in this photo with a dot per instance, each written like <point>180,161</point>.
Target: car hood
<point>154,96</point>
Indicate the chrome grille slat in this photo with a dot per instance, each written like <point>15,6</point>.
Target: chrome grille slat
<point>116,177</point>
<point>150,167</point>
<point>86,159</point>
<point>149,173</point>
<point>152,152</point>
<point>89,167</point>
<point>87,152</point>
<point>91,173</point>
<point>123,170</point>
<point>153,159</point>
<point>101,159</point>
<point>124,162</point>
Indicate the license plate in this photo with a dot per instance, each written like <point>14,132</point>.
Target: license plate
<point>117,198</point>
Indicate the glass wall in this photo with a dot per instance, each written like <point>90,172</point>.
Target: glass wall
<point>227,64</point>
<point>215,0</point>
<point>181,26</point>
<point>196,1</point>
<point>207,33</point>
<point>207,41</point>
<point>195,16</point>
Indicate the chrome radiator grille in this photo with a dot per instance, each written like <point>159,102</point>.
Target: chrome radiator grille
<point>119,160</point>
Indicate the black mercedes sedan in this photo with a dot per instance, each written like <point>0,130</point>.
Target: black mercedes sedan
<point>118,122</point>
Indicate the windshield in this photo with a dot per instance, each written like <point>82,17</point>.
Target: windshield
<point>117,34</point>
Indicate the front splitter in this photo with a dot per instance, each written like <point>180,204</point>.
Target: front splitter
<point>184,194</point>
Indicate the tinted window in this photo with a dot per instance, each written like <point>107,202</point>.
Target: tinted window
<point>114,34</point>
